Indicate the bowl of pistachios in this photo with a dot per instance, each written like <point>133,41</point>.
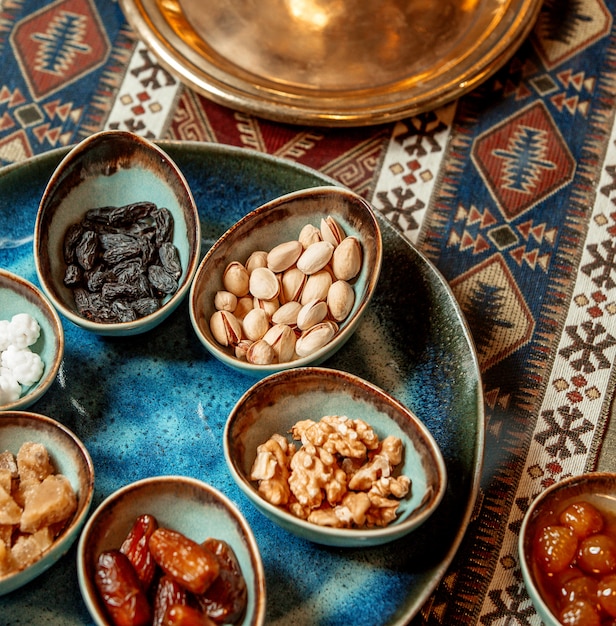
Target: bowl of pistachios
<point>286,285</point>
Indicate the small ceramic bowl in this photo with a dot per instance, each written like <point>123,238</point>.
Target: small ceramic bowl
<point>70,458</point>
<point>184,504</point>
<point>276,222</point>
<point>596,488</point>
<point>113,169</point>
<point>21,296</point>
<point>276,403</point>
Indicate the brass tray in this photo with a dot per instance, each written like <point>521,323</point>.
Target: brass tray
<point>332,62</point>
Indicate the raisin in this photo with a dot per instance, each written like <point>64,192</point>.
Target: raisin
<point>96,278</point>
<point>170,259</point>
<point>121,591</point>
<point>163,221</point>
<point>583,519</point>
<point>137,549</point>
<point>131,213</point>
<point>86,250</point>
<point>113,291</point>
<point>145,306</point>
<point>190,564</point>
<point>71,239</point>
<point>73,275</point>
<point>99,215</point>
<point>161,280</point>
<point>168,593</point>
<point>119,247</point>
<point>224,601</point>
<point>554,548</point>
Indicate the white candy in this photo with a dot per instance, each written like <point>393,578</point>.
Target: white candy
<point>24,330</point>
<point>10,389</point>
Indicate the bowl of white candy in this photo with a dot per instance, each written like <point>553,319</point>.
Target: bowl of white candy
<point>31,342</point>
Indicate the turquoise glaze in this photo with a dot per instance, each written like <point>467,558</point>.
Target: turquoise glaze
<point>18,295</point>
<point>70,458</point>
<point>276,222</point>
<point>274,405</point>
<point>113,168</point>
<point>186,505</point>
<point>157,403</point>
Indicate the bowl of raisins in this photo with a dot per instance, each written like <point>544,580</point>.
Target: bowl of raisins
<point>31,342</point>
<point>117,235</point>
<point>567,549</point>
<point>170,550</point>
<point>46,489</point>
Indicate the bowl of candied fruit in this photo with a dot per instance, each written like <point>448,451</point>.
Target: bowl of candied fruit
<point>117,235</point>
<point>286,285</point>
<point>332,458</point>
<point>46,489</point>
<point>170,550</point>
<point>567,548</point>
<point>31,342</point>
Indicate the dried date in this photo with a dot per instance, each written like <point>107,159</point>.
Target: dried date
<point>137,549</point>
<point>184,615</point>
<point>168,593</point>
<point>121,261</point>
<point>187,562</point>
<point>224,601</point>
<point>120,590</point>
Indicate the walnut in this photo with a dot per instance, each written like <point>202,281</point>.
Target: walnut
<point>341,476</point>
<point>271,469</point>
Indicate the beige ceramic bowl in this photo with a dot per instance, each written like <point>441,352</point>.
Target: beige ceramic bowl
<point>276,403</point>
<point>18,295</point>
<point>69,457</point>
<point>184,504</point>
<point>276,222</point>
<point>113,168</point>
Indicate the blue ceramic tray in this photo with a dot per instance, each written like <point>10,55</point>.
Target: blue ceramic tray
<point>157,404</point>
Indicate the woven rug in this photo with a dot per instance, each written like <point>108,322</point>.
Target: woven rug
<point>510,191</point>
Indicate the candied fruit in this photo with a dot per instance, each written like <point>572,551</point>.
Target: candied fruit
<point>555,548</point>
<point>582,518</point>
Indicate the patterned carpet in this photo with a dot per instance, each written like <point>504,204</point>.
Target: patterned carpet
<point>510,191</point>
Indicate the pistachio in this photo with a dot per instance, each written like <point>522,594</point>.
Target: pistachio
<point>244,305</point>
<point>315,257</point>
<point>293,281</point>
<point>264,284</point>
<point>260,353</point>
<point>235,279</point>
<point>287,313</point>
<point>226,328</point>
<point>282,338</point>
<point>309,234</point>
<point>315,338</point>
<point>242,348</point>
<point>346,259</point>
<point>340,300</point>
<point>269,306</point>
<point>255,324</point>
<point>284,255</point>
<point>311,314</point>
<point>257,259</point>
<point>225,301</point>
<point>317,286</point>
<point>331,230</point>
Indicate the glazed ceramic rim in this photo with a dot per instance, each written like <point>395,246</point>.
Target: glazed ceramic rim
<point>146,322</point>
<point>347,327</point>
<point>393,531</point>
<point>69,534</point>
<point>38,389</point>
<point>170,479</point>
<point>540,499</point>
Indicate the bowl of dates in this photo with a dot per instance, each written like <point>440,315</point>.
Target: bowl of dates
<point>117,235</point>
<point>46,488</point>
<point>286,285</point>
<point>31,342</point>
<point>170,550</point>
<point>332,458</point>
<point>567,549</point>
